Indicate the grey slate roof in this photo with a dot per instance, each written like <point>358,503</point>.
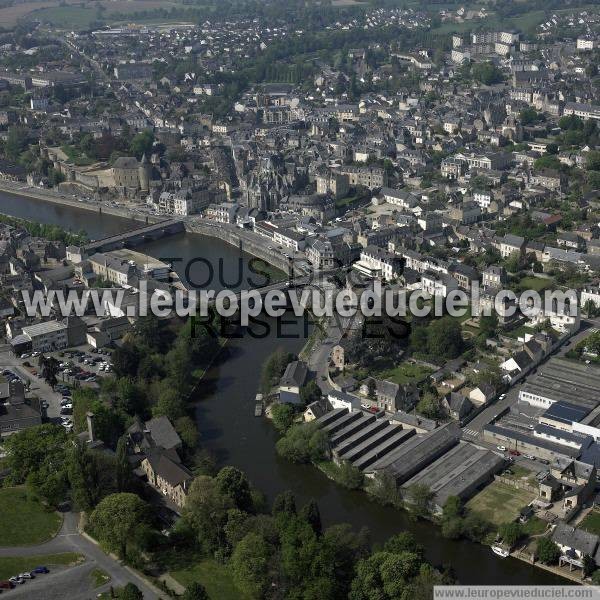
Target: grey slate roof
<point>163,433</point>
<point>578,539</point>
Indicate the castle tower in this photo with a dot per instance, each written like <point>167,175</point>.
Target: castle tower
<point>144,171</point>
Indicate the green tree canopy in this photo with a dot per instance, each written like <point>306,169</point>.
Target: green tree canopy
<point>116,519</point>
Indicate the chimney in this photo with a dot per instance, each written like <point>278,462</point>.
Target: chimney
<point>90,425</point>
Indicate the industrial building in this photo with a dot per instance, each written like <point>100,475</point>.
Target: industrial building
<point>459,472</point>
<point>417,453</point>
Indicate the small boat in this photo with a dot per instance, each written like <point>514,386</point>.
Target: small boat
<point>500,551</point>
<point>259,405</point>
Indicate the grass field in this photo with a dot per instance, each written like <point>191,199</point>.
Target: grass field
<point>534,526</point>
<point>25,521</point>
<point>75,14</point>
<point>13,565</point>
<point>405,373</point>
<point>215,577</point>
<point>535,283</point>
<point>591,522</point>
<point>99,577</point>
<point>499,503</point>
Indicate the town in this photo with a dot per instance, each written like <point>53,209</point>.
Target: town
<point>425,152</point>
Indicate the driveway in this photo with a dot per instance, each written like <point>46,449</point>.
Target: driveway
<point>75,582</point>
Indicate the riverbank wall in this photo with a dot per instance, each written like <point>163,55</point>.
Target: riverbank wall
<point>95,207</point>
<point>247,242</point>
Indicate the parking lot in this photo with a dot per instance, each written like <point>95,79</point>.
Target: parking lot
<point>78,367</point>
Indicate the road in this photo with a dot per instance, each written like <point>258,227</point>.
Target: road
<point>75,582</point>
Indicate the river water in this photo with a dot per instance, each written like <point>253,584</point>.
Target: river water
<point>225,410</point>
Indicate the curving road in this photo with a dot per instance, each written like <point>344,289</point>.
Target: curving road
<point>75,582</point>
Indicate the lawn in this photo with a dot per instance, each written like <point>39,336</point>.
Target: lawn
<point>13,565</point>
<point>591,522</point>
<point>534,526</point>
<point>537,284</point>
<point>499,503</point>
<point>25,521</point>
<point>405,373</point>
<point>99,577</point>
<point>76,157</point>
<point>215,577</point>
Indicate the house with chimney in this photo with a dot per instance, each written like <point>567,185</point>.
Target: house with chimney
<point>153,451</point>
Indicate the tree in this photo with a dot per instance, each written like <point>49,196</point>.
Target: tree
<point>50,370</point>
<point>206,511</point>
<point>233,483</point>
<point>510,533</point>
<point>16,142</point>
<point>419,498</point>
<point>310,393</point>
<point>589,565</point>
<point>91,475</point>
<point>592,161</point>
<point>125,360</point>
<point>475,527</point>
<point>384,488</point>
<point>282,416</point>
<point>486,73</point>
<point>170,404</point>
<point>37,455</point>
<point>430,406</point>
<point>188,432</point>
<point>142,143</point>
<point>452,528</point>
<point>116,519</point>
<point>250,565</point>
<point>195,591</point>
<point>303,443</point>
<point>130,592</point>
<point>488,324</point>
<point>529,116</point>
<point>444,338</point>
<point>349,476</point>
<point>547,551</point>
<point>547,162</point>
<point>403,542</point>
<point>284,503</point>
<point>310,513</point>
<point>123,474</point>
<point>274,368</point>
<point>453,508</point>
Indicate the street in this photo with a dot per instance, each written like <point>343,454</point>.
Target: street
<point>75,582</point>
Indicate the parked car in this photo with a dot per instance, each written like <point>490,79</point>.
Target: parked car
<point>6,585</point>
<point>41,569</point>
<point>502,448</point>
<point>16,579</point>
<point>27,575</point>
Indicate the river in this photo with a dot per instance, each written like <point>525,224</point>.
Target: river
<point>229,429</point>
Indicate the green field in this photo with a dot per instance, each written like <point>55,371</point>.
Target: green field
<point>99,577</point>
<point>405,373</point>
<point>534,526</point>
<point>591,522</point>
<point>25,521</point>
<point>215,577</point>
<point>499,503</point>
<point>13,565</point>
<point>535,283</point>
